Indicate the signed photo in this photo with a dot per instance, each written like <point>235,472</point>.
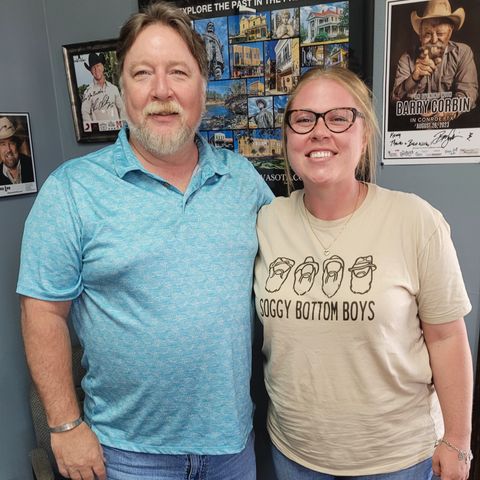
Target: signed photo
<point>17,167</point>
<point>97,106</point>
<point>431,82</point>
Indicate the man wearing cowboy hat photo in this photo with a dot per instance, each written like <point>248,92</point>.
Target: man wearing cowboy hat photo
<point>15,167</point>
<point>437,64</point>
<point>264,117</point>
<point>102,101</point>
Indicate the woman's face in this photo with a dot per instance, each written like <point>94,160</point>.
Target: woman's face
<point>321,157</point>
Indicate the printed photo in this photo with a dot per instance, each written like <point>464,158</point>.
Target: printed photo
<point>285,23</point>
<point>431,82</point>
<point>279,104</point>
<point>282,65</point>
<point>260,112</point>
<point>214,34</point>
<point>249,27</point>
<point>262,147</point>
<point>434,84</point>
<point>255,87</point>
<point>247,60</point>
<point>17,166</point>
<point>336,55</point>
<point>313,56</point>
<point>226,105</point>
<point>220,139</point>
<point>327,22</point>
<point>97,106</point>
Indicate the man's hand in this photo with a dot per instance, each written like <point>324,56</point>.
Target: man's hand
<point>447,466</point>
<point>79,454</point>
<point>424,66</point>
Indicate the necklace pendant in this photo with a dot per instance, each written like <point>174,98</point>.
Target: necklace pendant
<point>326,253</point>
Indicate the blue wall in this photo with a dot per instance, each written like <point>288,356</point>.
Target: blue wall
<point>33,80</point>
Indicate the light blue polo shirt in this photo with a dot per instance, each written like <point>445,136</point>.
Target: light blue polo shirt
<point>161,283</point>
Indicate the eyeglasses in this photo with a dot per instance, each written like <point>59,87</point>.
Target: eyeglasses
<point>337,120</point>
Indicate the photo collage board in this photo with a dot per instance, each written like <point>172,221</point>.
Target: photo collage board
<point>255,58</point>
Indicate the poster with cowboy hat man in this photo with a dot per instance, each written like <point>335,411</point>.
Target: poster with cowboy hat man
<point>17,168</point>
<point>431,98</point>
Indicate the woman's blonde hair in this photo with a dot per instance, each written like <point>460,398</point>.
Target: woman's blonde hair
<point>366,167</point>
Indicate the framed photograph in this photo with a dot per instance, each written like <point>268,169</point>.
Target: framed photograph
<point>17,167</point>
<point>256,52</point>
<point>92,76</point>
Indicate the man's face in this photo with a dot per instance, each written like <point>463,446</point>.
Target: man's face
<point>164,91</point>
<point>97,71</point>
<point>9,152</point>
<point>436,34</point>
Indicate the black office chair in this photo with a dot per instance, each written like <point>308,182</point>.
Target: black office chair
<point>43,462</point>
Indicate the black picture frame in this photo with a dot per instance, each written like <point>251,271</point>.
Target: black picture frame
<point>80,79</point>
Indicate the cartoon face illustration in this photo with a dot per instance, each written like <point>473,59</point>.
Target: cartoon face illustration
<point>278,272</point>
<point>305,275</point>
<point>332,276</point>
<point>362,274</point>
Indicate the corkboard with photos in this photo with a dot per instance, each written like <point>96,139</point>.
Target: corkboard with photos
<point>257,50</point>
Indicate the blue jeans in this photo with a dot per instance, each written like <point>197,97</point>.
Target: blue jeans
<point>124,465</point>
<point>287,469</point>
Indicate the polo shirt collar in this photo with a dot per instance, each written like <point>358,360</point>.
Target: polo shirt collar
<point>126,161</point>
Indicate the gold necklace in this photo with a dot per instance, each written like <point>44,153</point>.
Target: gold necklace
<point>326,249</point>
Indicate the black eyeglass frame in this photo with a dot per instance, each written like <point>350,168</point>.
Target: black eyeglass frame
<point>318,115</point>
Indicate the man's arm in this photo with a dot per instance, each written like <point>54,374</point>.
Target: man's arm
<point>410,77</point>
<point>120,105</point>
<point>466,78</point>
<point>86,107</point>
<point>49,357</point>
<point>451,364</point>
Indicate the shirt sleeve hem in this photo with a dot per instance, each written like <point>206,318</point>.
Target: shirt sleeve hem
<point>48,296</point>
<point>451,317</point>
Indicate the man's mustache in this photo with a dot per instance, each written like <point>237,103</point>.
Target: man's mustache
<point>162,108</point>
<point>433,50</point>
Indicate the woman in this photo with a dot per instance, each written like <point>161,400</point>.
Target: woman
<point>362,302</point>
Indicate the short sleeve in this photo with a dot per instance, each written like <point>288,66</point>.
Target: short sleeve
<point>50,263</point>
<point>442,296</point>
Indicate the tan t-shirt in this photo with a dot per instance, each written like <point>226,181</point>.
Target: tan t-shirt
<point>347,369</point>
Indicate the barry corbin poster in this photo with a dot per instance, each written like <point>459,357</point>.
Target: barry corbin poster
<point>431,102</point>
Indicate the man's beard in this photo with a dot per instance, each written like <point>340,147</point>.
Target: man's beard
<point>11,160</point>
<point>159,144</point>
<point>435,50</point>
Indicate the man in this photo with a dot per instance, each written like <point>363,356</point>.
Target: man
<point>263,118</point>
<point>101,101</point>
<point>216,63</point>
<point>149,244</point>
<point>438,64</point>
<point>15,167</point>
